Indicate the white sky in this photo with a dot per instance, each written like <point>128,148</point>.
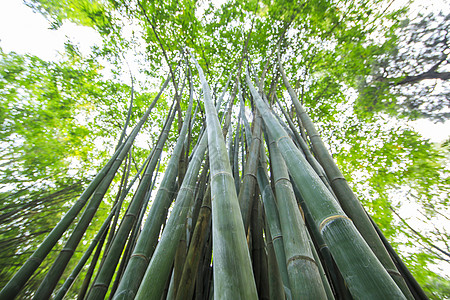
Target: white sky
<point>23,31</point>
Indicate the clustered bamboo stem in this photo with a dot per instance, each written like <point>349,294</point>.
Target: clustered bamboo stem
<point>234,231</point>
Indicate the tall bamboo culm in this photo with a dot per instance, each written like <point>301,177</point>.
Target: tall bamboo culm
<point>364,274</point>
<point>344,193</point>
<point>229,241</point>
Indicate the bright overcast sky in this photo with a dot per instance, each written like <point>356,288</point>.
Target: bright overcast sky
<point>23,31</point>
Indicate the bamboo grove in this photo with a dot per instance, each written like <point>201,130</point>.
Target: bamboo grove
<point>252,207</point>
<point>239,195</point>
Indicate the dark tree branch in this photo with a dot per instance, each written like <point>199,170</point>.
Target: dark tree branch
<point>427,75</point>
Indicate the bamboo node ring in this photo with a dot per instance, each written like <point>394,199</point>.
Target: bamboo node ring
<point>336,178</point>
<point>277,237</point>
<point>393,272</point>
<point>330,219</point>
<point>140,256</point>
<point>206,206</point>
<point>281,179</point>
<point>165,189</point>
<point>221,173</point>
<point>298,257</point>
<point>101,285</point>
<point>323,246</point>
<point>250,174</point>
<point>187,189</point>
<point>282,137</point>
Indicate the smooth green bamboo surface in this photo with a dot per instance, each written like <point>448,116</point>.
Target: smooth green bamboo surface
<point>229,241</point>
<point>198,241</point>
<point>148,238</point>
<point>333,272</point>
<point>105,274</point>
<point>249,179</point>
<point>271,213</point>
<point>344,193</point>
<point>323,275</point>
<point>304,276</point>
<point>363,273</point>
<point>201,213</point>
<point>273,221</point>
<point>309,157</point>
<point>158,270</point>
<point>276,288</point>
<point>16,283</point>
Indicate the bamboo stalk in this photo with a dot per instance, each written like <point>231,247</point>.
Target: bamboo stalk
<point>16,283</point>
<point>273,221</point>
<point>178,265</point>
<point>364,274</point>
<point>271,213</point>
<point>235,156</point>
<point>258,248</point>
<point>130,110</point>
<point>65,287</point>
<point>87,278</point>
<point>195,211</point>
<point>333,272</point>
<point>311,159</point>
<point>105,274</point>
<point>100,181</point>
<point>304,277</point>
<point>344,193</point>
<point>249,180</point>
<point>119,199</point>
<point>276,286</point>
<point>188,277</point>
<point>229,242</point>
<point>148,238</point>
<point>200,234</point>
<point>158,270</point>
<point>323,276</point>
<point>413,285</point>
